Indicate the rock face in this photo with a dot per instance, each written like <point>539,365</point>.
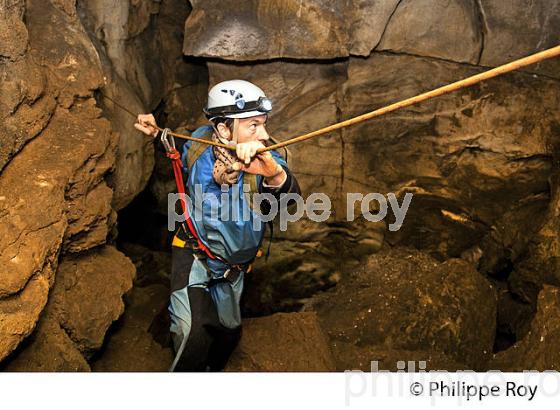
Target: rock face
<point>85,300</point>
<point>131,347</point>
<point>290,342</point>
<point>405,300</point>
<point>62,170</point>
<point>518,28</point>
<point>64,173</point>
<point>450,30</point>
<point>257,29</point>
<point>538,350</point>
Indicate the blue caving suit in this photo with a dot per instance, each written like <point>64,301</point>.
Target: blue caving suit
<point>204,307</point>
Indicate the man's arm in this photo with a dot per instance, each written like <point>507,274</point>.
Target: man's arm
<point>290,186</point>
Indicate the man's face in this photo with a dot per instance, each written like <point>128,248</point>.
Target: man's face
<point>251,129</point>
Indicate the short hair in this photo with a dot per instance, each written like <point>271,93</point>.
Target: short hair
<point>227,121</point>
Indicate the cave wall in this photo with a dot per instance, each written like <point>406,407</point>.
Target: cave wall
<point>468,157</point>
<point>69,161</point>
<point>482,163</point>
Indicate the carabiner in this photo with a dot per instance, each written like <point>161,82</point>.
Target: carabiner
<point>167,141</point>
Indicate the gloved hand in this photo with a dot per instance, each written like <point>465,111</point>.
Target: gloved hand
<point>147,124</point>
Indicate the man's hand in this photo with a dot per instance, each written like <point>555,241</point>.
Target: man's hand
<point>147,124</point>
<point>246,150</point>
<point>261,164</point>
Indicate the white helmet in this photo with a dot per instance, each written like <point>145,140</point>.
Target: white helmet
<point>236,99</point>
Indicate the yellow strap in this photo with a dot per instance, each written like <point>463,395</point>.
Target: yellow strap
<point>178,243</point>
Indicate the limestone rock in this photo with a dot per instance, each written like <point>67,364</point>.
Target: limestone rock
<point>91,218</point>
<point>140,46</point>
<point>449,30</point>
<point>48,349</point>
<point>538,350</point>
<point>69,150</point>
<point>283,342</point>
<point>405,300</point>
<point>13,33</point>
<point>381,358</point>
<point>89,295</point>
<point>467,157</point>
<point>266,29</point>
<point>19,314</point>
<point>367,22</point>
<point>125,82</point>
<point>25,107</point>
<point>131,347</point>
<point>541,264</point>
<point>518,28</point>
<point>33,216</point>
<point>85,300</point>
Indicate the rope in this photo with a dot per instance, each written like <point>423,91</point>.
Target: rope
<point>467,82</point>
<point>506,68</point>
<point>185,137</point>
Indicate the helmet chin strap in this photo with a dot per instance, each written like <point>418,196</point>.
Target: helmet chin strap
<point>235,130</point>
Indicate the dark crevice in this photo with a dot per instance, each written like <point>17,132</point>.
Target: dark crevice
<point>483,29</point>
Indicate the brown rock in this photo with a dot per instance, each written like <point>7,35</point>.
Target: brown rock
<point>59,42</point>
<point>90,218</point>
<point>516,29</point>
<point>89,295</point>
<point>13,33</point>
<point>367,23</point>
<point>380,358</point>
<point>33,189</point>
<point>266,29</point>
<point>283,342</point>
<point>19,313</point>
<point>449,30</point>
<point>541,264</point>
<point>131,347</point>
<point>48,349</point>
<point>25,107</point>
<point>538,350</point>
<point>468,157</point>
<point>85,300</point>
<point>405,300</point>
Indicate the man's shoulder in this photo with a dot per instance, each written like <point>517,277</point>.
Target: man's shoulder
<point>192,151</point>
<point>203,131</point>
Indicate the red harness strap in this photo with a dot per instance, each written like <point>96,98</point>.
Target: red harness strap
<point>175,157</point>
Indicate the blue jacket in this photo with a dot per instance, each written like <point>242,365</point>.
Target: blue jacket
<point>226,233</point>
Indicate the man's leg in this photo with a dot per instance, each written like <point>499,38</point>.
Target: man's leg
<point>225,342</point>
<point>227,331</point>
<point>194,355</point>
<point>191,311</point>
